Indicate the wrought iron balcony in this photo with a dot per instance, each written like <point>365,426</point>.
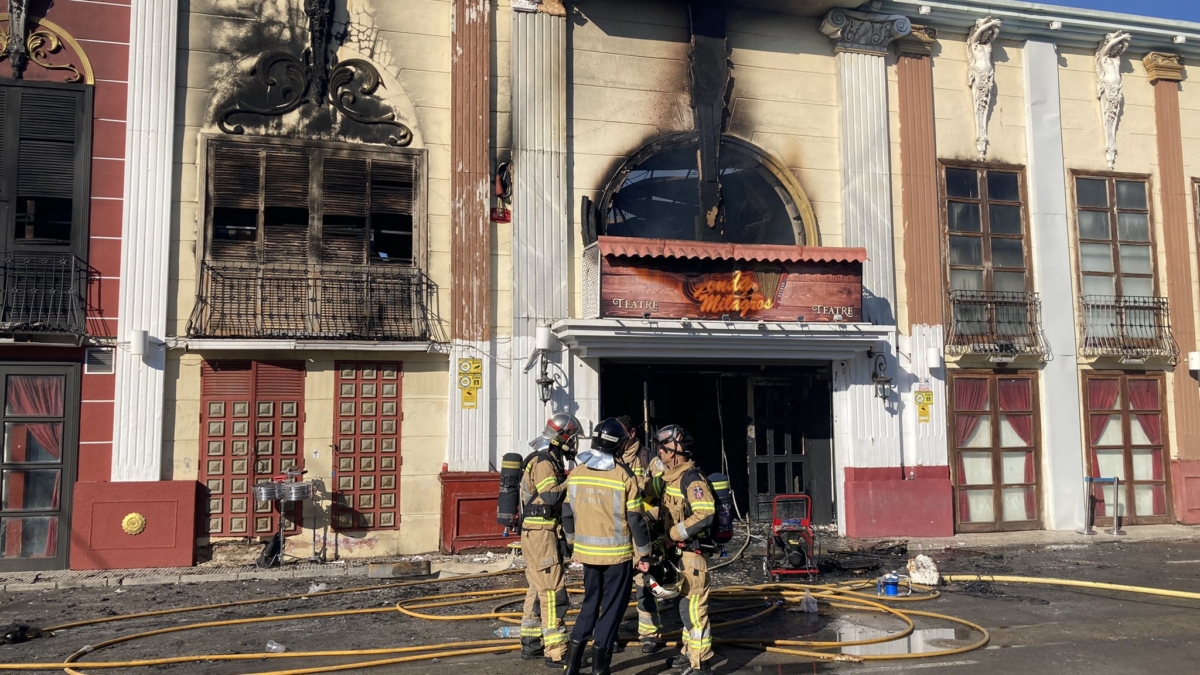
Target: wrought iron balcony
<point>1127,327</point>
<point>316,302</point>
<point>44,293</point>
<point>995,324</point>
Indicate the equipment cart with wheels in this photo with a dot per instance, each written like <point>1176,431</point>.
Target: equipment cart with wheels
<point>790,545</point>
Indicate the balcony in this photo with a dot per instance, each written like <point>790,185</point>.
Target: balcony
<point>1131,328</point>
<point>1000,324</point>
<point>44,293</point>
<point>314,302</point>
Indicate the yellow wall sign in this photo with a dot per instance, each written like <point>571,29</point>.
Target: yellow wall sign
<point>470,381</point>
<point>923,398</point>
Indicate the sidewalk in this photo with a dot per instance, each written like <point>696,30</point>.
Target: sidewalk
<point>480,562</point>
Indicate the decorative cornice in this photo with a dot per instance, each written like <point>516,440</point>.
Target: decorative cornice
<point>919,42</point>
<point>864,32</point>
<point>45,39</point>
<point>1162,67</point>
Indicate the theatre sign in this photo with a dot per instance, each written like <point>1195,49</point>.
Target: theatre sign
<point>668,279</point>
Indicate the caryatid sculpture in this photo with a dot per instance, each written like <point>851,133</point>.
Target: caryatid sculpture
<point>981,76</point>
<point>1108,88</point>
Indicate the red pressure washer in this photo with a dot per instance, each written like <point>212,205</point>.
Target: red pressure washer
<point>790,546</point>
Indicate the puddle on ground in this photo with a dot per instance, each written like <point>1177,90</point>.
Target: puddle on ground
<point>920,641</point>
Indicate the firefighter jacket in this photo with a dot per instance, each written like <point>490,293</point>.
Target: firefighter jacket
<point>602,514</point>
<point>644,467</point>
<point>542,490</point>
<point>688,507</point>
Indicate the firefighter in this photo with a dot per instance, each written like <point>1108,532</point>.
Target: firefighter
<point>602,518</point>
<point>543,633</point>
<point>688,509</point>
<point>643,466</point>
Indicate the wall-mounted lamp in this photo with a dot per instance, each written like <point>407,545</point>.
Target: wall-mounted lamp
<point>880,374</point>
<point>1055,25</point>
<point>934,358</point>
<point>1194,361</point>
<point>139,341</point>
<point>1180,39</point>
<point>925,10</point>
<point>543,339</point>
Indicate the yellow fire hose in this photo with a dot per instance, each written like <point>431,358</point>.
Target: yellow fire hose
<point>760,600</point>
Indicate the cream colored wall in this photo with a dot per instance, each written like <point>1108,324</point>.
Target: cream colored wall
<point>1189,118</point>
<point>900,262</point>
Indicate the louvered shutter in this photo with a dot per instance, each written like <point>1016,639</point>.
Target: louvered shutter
<point>344,206</point>
<point>46,146</point>
<point>234,192</point>
<point>4,189</point>
<point>285,202</point>
<point>393,203</point>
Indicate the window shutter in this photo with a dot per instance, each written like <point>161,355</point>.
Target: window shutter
<point>234,193</point>
<point>344,206</point>
<point>392,187</point>
<point>226,378</point>
<point>46,144</point>
<point>285,202</point>
<point>279,379</point>
<point>4,194</point>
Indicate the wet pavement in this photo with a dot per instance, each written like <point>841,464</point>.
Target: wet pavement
<point>1034,629</point>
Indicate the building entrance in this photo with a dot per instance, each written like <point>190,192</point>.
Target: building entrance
<point>769,428</point>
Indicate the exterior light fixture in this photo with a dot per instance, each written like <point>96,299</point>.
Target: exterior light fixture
<point>545,383</point>
<point>1055,25</point>
<point>1180,39</point>
<point>880,374</point>
<point>925,10</point>
<point>1193,361</point>
<point>139,341</point>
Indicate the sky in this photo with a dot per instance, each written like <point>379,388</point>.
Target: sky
<point>1188,10</point>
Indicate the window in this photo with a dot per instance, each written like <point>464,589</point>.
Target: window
<point>1126,440</point>
<point>326,204</point>
<point>45,165</point>
<point>1116,249</point>
<point>994,433</point>
<point>985,230</point>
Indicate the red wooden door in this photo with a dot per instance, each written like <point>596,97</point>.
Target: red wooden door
<point>367,437</point>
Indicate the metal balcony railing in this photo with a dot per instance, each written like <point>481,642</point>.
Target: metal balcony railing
<point>331,302</point>
<point>1127,326</point>
<point>44,293</point>
<point>995,323</point>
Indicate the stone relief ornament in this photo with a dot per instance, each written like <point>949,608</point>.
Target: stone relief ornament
<point>1108,88</point>
<point>867,32</point>
<point>981,76</point>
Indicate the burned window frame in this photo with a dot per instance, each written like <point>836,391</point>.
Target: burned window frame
<point>10,177</point>
<point>317,151</point>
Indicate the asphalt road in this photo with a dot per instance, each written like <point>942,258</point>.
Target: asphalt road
<point>1034,629</point>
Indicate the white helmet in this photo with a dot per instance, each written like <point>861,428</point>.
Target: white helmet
<point>661,591</point>
<point>664,581</point>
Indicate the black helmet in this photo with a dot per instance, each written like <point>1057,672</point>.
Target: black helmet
<point>561,431</point>
<point>608,436</point>
<point>676,433</point>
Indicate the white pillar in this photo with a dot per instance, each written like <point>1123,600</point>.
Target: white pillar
<point>145,239</point>
<point>862,40</point>
<point>470,428</point>
<point>541,214</point>
<point>1062,430</point>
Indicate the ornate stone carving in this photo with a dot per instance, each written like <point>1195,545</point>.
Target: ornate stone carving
<point>1162,67</point>
<point>1108,88</point>
<point>981,76</point>
<point>17,49</point>
<point>23,47</point>
<point>919,42</point>
<point>865,32</point>
<point>316,77</point>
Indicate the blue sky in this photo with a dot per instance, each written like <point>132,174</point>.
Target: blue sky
<point>1168,9</point>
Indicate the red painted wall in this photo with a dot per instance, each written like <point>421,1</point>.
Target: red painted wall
<point>880,503</point>
<point>1185,476</point>
<point>99,542</point>
<point>469,512</point>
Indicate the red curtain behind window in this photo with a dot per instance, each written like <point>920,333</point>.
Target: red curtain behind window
<point>34,396</point>
<point>969,394</point>
<point>1102,395</point>
<point>1143,395</point>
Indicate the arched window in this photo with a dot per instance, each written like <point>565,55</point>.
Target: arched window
<point>655,194</point>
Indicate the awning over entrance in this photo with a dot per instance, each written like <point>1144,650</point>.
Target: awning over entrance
<point>718,340</point>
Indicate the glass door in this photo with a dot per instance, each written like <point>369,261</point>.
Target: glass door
<point>995,439</point>
<point>38,469</point>
<point>1126,441</point>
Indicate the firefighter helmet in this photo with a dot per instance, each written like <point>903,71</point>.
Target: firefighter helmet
<point>664,581</point>
<point>562,430</point>
<point>677,434</point>
<point>609,435</point>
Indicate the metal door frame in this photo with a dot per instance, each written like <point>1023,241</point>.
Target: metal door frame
<point>751,446</point>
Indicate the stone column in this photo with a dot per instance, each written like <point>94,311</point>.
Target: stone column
<point>541,213</point>
<point>145,240</point>
<point>1062,435</point>
<point>861,44</point>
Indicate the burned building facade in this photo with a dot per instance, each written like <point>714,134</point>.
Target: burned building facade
<point>933,265</point>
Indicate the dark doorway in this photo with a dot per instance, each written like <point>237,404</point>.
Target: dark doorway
<point>746,420</point>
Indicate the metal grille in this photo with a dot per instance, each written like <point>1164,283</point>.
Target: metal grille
<point>338,302</point>
<point>591,282</point>
<point>1128,327</point>
<point>44,293</point>
<point>996,323</point>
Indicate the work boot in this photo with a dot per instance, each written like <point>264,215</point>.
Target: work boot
<point>574,660</point>
<point>601,662</point>
<point>551,663</point>
<point>618,646</point>
<point>531,649</point>
<point>702,670</point>
<point>651,644</point>
<point>679,662</point>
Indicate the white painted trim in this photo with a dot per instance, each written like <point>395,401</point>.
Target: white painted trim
<point>146,234</point>
<point>220,345</point>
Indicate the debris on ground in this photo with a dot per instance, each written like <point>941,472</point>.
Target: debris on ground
<point>809,604</point>
<point>922,570</point>
<point>318,588</point>
<point>16,633</point>
<point>275,648</point>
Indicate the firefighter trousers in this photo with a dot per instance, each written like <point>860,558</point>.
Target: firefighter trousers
<point>605,597</point>
<point>649,619</point>
<point>546,600</point>
<point>693,609</point>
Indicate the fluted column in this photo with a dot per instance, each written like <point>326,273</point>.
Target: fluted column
<point>145,239</point>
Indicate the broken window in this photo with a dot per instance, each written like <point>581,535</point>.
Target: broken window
<point>45,160</point>
<point>656,195</point>
<point>290,203</point>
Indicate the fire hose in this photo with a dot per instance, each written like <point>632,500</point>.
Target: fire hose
<point>759,601</point>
